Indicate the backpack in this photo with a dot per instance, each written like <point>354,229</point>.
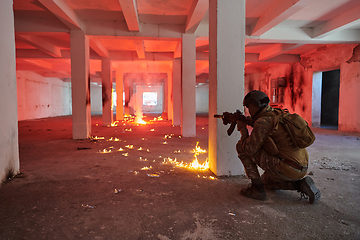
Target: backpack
<point>298,129</point>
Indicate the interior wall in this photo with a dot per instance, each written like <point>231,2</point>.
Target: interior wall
<point>9,148</point>
<point>299,80</point>
<point>202,98</point>
<point>96,99</point>
<point>40,97</point>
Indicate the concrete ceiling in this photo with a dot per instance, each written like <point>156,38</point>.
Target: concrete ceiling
<point>138,33</point>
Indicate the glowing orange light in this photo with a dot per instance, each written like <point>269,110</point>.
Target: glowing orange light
<point>194,165</point>
<point>146,168</point>
<point>152,130</point>
<point>97,138</point>
<point>120,149</point>
<point>129,146</point>
<point>105,151</point>
<point>153,175</point>
<point>115,124</point>
<point>125,154</point>
<point>140,148</point>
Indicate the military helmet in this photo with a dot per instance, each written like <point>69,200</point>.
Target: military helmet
<point>259,98</point>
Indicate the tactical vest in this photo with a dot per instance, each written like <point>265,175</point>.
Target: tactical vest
<point>278,139</point>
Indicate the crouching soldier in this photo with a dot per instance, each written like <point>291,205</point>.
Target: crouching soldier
<point>270,147</point>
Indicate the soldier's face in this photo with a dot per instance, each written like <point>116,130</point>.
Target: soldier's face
<point>253,109</point>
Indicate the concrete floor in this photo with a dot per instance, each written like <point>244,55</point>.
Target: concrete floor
<point>67,189</point>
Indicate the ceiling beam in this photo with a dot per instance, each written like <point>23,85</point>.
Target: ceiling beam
<point>98,47</point>
<point>54,74</point>
<point>303,36</point>
<point>277,13</point>
<point>338,23</point>
<point>129,10</point>
<point>119,28</point>
<point>39,63</point>
<point>40,44</point>
<point>197,12</point>
<point>277,49</point>
<point>62,10</point>
<point>139,47</point>
<point>202,48</point>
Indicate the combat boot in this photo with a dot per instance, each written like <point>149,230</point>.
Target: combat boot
<point>307,187</point>
<point>255,191</point>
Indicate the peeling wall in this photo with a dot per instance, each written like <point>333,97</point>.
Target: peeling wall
<point>9,149</point>
<point>299,77</point>
<point>40,97</point>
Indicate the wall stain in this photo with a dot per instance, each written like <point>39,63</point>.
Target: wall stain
<point>251,84</point>
<point>105,97</point>
<point>88,101</point>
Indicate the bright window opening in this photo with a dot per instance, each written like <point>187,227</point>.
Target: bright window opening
<point>150,98</point>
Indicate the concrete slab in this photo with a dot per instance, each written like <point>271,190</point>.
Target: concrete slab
<point>67,189</point>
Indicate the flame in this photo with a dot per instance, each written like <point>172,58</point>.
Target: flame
<point>146,168</point>
<point>128,130</point>
<point>194,165</point>
<point>97,138</point>
<point>105,151</point>
<point>125,154</point>
<point>115,124</point>
<point>120,149</point>
<point>153,175</point>
<point>129,146</point>
<point>140,148</point>
<point>151,130</point>
<point>140,121</point>
<point>114,139</point>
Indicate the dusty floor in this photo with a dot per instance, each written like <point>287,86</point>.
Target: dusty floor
<point>67,189</point>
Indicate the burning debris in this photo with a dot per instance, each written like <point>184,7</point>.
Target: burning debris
<point>153,175</point>
<point>194,165</point>
<point>146,168</point>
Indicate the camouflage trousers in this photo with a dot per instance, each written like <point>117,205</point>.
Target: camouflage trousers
<point>272,177</point>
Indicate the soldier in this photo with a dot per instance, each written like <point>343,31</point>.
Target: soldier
<point>270,147</point>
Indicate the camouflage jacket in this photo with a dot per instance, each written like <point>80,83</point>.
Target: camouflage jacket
<point>264,126</point>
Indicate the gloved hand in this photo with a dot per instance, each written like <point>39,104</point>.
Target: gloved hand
<point>240,125</point>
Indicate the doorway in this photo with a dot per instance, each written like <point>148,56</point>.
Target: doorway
<point>325,109</point>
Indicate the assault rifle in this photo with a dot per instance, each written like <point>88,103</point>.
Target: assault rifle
<point>231,118</point>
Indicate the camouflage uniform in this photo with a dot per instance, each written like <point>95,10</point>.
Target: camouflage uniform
<point>283,170</point>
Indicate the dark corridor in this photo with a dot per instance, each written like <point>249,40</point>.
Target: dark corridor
<point>330,99</point>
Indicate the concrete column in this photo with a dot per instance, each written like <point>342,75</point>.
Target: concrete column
<point>176,92</point>
<point>170,95</point>
<point>127,95</point>
<point>9,150</point>
<point>226,81</point>
<point>80,84</point>
<point>165,112</point>
<point>107,112</point>
<point>119,93</point>
<point>188,126</point>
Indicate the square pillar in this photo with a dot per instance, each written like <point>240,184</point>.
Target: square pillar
<point>170,95</point>
<point>9,145</point>
<point>80,84</point>
<point>188,126</point>
<point>127,95</point>
<point>226,81</point>
<point>107,112</point>
<point>176,92</point>
<point>119,94</point>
